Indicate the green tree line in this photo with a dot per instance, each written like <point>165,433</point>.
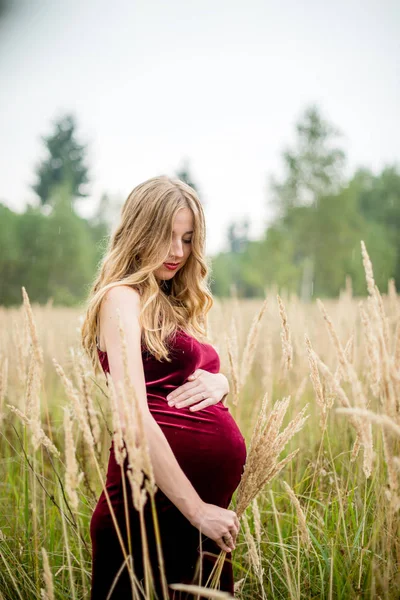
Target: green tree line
<point>309,247</point>
<point>319,219</point>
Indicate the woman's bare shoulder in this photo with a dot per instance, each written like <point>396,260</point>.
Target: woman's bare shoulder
<point>122,295</point>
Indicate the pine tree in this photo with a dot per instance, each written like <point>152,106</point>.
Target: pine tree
<point>65,162</point>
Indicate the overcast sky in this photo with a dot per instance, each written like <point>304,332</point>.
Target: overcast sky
<point>220,82</point>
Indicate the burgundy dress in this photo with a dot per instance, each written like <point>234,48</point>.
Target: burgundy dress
<point>210,450</point>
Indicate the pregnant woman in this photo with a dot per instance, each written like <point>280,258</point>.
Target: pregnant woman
<point>154,276</point>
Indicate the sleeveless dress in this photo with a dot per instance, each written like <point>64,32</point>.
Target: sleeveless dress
<point>211,451</point>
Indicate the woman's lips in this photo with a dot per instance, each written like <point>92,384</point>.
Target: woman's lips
<point>171,266</point>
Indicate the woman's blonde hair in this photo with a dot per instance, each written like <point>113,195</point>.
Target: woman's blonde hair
<point>139,245</point>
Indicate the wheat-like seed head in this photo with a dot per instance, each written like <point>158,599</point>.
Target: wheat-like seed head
<point>72,475</point>
<point>48,592</point>
<point>73,395</point>
<point>265,446</point>
<point>319,394</point>
<point>287,349</point>
<point>251,344</point>
<point>304,533</point>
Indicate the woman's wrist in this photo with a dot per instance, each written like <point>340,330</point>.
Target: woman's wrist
<point>193,514</point>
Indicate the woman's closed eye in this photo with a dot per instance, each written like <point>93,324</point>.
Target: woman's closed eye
<point>187,241</point>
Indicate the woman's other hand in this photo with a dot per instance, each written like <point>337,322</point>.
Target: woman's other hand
<point>219,524</point>
<point>201,390</point>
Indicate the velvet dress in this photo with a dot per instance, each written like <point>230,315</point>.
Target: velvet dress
<point>211,451</point>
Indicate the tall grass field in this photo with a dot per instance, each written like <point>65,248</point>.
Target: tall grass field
<point>315,390</point>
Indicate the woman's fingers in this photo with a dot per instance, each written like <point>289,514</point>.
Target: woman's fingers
<point>233,532</point>
<point>202,404</point>
<point>227,542</point>
<point>223,545</point>
<point>192,400</point>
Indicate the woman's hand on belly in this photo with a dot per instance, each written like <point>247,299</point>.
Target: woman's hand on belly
<point>201,390</point>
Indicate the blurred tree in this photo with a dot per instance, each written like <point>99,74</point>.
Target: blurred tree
<point>71,254</point>
<point>65,161</point>
<point>102,220</point>
<point>184,174</point>
<point>313,167</point>
<point>34,253</point>
<point>378,199</point>
<point>9,253</point>
<point>5,7</point>
<point>238,235</point>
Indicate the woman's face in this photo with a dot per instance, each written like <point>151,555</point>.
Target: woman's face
<point>181,245</point>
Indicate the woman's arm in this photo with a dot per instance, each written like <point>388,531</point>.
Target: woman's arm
<point>213,520</point>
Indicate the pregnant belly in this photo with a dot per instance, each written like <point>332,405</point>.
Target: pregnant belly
<point>207,444</point>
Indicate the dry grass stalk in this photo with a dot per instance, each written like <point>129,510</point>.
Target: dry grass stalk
<point>343,362</point>
<point>32,329</point>
<point>135,467</point>
<point>356,447</point>
<point>389,398</point>
<point>48,592</point>
<point>139,463</point>
<point>393,299</point>
<point>137,413</point>
<point>287,349</point>
<point>77,405</point>
<point>349,355</point>
<point>32,399</point>
<point>253,554</point>
<point>358,425</point>
<point>233,357</point>
<point>21,350</point>
<point>381,419</point>
<point>369,273</point>
<point>257,520</point>
<point>358,392</point>
<point>261,466</point>
<point>3,380</point>
<point>372,346</point>
<point>388,425</point>
<point>39,435</point>
<point>396,462</point>
<point>201,591</point>
<point>383,319</point>
<point>314,374</point>
<point>81,375</point>
<point>134,441</point>
<point>72,475</point>
<point>267,361</point>
<point>304,533</point>
<point>300,391</point>
<point>331,394</point>
<point>265,446</point>
<point>376,303</point>
<point>3,385</point>
<point>349,287</point>
<point>251,344</point>
<point>396,350</point>
<point>392,474</point>
<point>119,447</point>
<point>80,414</point>
<point>237,587</point>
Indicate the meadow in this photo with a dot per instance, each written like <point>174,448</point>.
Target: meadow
<point>315,389</point>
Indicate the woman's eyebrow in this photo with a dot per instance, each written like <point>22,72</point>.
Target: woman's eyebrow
<point>185,232</point>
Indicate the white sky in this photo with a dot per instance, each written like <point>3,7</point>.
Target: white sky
<point>221,82</point>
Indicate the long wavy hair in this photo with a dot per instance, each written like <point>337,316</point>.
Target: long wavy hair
<point>139,245</point>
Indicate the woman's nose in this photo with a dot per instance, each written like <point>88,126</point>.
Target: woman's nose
<point>177,250</point>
